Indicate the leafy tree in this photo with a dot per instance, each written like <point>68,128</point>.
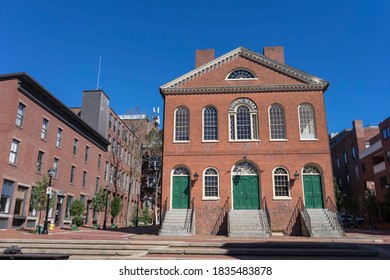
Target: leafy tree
<point>338,195</point>
<point>371,204</point>
<point>99,202</point>
<point>77,211</point>
<point>38,200</point>
<point>116,207</point>
<point>146,218</point>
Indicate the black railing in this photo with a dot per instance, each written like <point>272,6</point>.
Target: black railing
<point>299,209</point>
<point>163,212</point>
<point>190,216</point>
<point>333,215</point>
<point>267,223</point>
<point>221,218</point>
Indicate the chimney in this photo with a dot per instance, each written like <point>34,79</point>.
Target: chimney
<point>203,56</point>
<point>275,53</point>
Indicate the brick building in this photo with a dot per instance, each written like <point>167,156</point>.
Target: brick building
<point>244,131</point>
<point>39,132</point>
<point>375,168</point>
<point>347,169</point>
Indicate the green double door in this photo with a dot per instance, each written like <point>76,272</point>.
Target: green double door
<point>313,191</point>
<point>246,192</point>
<point>181,192</point>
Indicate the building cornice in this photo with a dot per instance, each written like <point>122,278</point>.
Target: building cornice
<point>244,89</point>
<point>304,77</point>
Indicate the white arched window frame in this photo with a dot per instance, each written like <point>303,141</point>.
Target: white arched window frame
<point>241,74</point>
<point>281,183</point>
<point>277,122</point>
<point>210,124</point>
<point>243,120</point>
<point>307,122</point>
<point>210,184</point>
<point>182,125</point>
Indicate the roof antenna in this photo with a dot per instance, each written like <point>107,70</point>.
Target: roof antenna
<point>98,78</point>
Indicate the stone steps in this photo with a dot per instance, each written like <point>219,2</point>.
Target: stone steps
<point>247,224</point>
<point>321,225</point>
<point>174,223</point>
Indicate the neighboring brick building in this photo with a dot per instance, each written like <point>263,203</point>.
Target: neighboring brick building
<point>347,169</point>
<point>244,131</point>
<point>375,166</point>
<point>39,132</point>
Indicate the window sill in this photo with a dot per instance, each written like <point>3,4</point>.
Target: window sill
<point>18,126</point>
<point>243,141</point>
<point>282,198</point>
<point>308,140</point>
<point>13,164</point>
<point>278,140</point>
<point>181,142</point>
<point>44,140</point>
<point>211,199</point>
<point>210,141</point>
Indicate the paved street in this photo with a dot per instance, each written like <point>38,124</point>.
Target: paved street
<point>371,240</point>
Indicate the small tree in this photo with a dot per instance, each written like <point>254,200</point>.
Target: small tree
<point>146,218</point>
<point>116,207</point>
<point>99,203</point>
<point>372,207</point>
<point>338,195</point>
<point>39,197</point>
<point>77,211</point>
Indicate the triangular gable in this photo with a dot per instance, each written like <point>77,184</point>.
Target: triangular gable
<point>308,82</point>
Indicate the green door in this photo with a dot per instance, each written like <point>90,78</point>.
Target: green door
<point>313,191</point>
<point>246,192</point>
<point>181,192</point>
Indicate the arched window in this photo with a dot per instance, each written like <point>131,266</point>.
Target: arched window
<point>240,74</point>
<point>277,123</point>
<point>211,183</point>
<point>182,124</point>
<point>210,124</point>
<point>307,124</point>
<point>281,182</point>
<point>243,120</point>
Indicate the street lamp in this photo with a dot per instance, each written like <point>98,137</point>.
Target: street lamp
<point>136,220</point>
<point>51,173</point>
<point>105,209</point>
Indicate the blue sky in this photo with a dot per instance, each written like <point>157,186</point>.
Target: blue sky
<point>145,44</point>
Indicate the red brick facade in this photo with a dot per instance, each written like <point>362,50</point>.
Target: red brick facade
<point>274,83</point>
<point>84,164</point>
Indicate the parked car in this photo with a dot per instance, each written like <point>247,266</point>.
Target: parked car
<point>350,220</point>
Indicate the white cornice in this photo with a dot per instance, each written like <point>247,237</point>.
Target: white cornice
<point>306,78</point>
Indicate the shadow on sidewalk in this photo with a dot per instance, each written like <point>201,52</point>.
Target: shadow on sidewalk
<point>141,230</point>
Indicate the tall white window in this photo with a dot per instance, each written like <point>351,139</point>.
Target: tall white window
<point>281,182</point>
<point>277,122</point>
<point>211,183</point>
<point>14,151</point>
<point>59,138</point>
<point>40,161</point>
<point>56,164</point>
<point>210,124</point>
<point>20,114</point>
<point>45,125</point>
<point>243,120</point>
<point>182,124</point>
<point>6,195</point>
<point>307,122</point>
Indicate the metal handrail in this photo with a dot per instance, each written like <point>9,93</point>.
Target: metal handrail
<point>189,217</point>
<point>163,212</point>
<point>331,207</point>
<point>299,209</point>
<point>267,224</point>
<point>221,217</point>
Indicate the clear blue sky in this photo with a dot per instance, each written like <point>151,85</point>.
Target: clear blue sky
<point>145,44</point>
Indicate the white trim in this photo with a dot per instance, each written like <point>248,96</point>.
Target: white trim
<point>203,140</point>
<point>314,121</point>
<point>204,197</point>
<point>273,184</point>
<point>174,124</point>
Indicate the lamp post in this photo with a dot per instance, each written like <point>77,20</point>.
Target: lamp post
<point>51,173</point>
<point>105,209</point>
<point>136,220</point>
